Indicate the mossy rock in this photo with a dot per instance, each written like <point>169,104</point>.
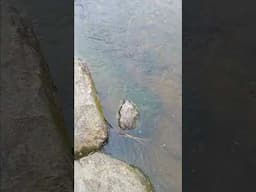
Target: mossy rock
<point>90,127</point>
<point>99,172</point>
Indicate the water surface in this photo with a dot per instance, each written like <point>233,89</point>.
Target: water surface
<point>133,49</point>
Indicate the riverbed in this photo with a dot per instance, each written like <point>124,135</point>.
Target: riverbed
<point>133,49</point>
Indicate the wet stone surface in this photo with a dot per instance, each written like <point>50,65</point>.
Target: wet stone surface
<point>127,115</point>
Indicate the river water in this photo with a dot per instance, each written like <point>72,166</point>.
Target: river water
<point>133,49</point>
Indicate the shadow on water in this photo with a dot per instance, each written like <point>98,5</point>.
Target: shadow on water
<point>133,49</point>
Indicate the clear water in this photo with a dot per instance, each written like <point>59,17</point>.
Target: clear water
<point>133,49</point>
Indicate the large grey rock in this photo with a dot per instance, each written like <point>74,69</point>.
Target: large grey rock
<point>101,173</point>
<point>90,126</point>
<point>34,152</point>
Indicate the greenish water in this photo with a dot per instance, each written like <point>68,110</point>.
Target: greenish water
<point>133,49</point>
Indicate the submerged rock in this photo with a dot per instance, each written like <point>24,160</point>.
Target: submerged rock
<point>90,128</point>
<point>35,155</point>
<point>127,115</point>
<point>101,173</point>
